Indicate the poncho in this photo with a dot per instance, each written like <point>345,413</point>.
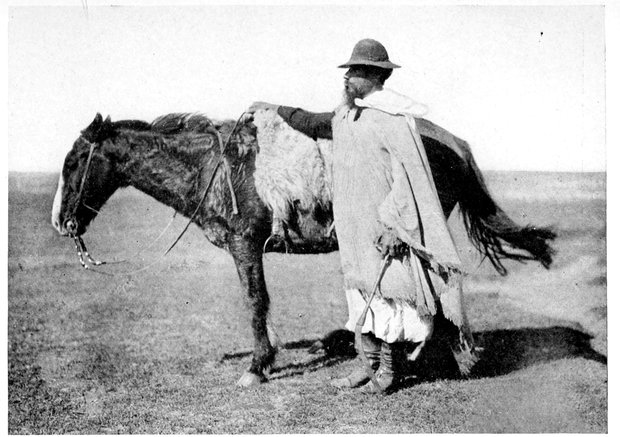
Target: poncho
<point>382,180</point>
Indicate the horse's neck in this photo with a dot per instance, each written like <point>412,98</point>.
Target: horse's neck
<point>149,166</point>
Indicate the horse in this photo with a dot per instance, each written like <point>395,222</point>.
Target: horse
<point>182,161</point>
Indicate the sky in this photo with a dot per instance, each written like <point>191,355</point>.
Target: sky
<point>524,85</point>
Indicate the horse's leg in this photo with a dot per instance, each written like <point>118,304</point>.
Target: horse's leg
<point>249,262</point>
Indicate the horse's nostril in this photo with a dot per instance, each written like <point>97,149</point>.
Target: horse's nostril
<point>71,226</point>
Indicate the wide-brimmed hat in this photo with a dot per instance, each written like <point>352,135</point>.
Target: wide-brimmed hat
<point>369,52</point>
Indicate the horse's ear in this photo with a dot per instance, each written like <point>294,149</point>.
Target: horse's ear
<point>106,129</point>
<point>107,124</point>
<point>94,126</point>
<point>96,123</point>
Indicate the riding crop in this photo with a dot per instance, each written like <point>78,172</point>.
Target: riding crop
<point>360,323</point>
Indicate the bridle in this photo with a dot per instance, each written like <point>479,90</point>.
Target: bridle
<point>71,224</point>
<point>89,160</point>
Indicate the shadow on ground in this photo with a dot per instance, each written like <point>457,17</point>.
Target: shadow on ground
<point>504,351</point>
<point>335,348</point>
<point>501,352</point>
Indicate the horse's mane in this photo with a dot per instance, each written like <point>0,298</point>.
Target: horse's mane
<point>169,124</point>
<point>187,137</point>
<point>243,140</point>
<point>137,125</point>
<point>183,122</point>
<point>179,122</point>
<point>166,127</point>
<point>164,134</point>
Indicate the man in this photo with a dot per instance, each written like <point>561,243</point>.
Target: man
<point>385,204</point>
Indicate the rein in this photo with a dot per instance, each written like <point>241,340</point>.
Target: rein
<point>72,224</point>
<point>228,170</point>
<point>85,258</point>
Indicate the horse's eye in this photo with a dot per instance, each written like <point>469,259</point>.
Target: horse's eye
<point>70,166</point>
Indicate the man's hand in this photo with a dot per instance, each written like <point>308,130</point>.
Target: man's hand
<point>389,243</point>
<point>256,106</point>
<point>248,115</point>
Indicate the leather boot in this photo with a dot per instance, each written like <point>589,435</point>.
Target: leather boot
<point>371,347</point>
<point>387,376</point>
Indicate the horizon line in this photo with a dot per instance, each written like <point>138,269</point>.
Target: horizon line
<point>482,169</point>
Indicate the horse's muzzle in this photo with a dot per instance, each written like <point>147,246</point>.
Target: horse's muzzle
<point>60,228</point>
<point>70,227</point>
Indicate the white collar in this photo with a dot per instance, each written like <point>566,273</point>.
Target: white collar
<point>390,101</point>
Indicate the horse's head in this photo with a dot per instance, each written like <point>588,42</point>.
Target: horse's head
<point>87,180</point>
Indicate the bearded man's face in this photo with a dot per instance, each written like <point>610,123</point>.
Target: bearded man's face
<point>359,81</point>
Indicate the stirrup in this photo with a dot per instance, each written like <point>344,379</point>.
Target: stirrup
<point>277,237</point>
<point>279,232</point>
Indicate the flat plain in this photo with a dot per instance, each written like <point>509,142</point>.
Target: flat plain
<point>158,346</point>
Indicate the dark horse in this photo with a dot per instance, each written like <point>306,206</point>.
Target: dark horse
<point>177,160</point>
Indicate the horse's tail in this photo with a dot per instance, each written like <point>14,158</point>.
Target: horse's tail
<point>489,228</point>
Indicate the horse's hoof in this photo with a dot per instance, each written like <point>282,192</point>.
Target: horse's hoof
<point>249,379</point>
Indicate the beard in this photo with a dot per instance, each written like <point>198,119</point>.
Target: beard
<point>348,97</point>
<point>350,93</point>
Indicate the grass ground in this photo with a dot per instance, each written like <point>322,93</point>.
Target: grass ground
<point>159,350</point>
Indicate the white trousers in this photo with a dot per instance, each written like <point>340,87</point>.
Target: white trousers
<point>388,320</point>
